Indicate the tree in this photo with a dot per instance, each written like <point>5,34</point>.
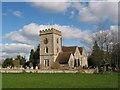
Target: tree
<point>18,57</point>
<point>21,59</point>
<point>96,55</point>
<point>16,63</point>
<point>8,63</point>
<point>108,43</point>
<point>104,38</point>
<point>115,56</point>
<point>31,58</point>
<point>36,57</point>
<point>27,64</point>
<point>90,61</point>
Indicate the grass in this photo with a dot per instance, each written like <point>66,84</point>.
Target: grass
<point>62,80</point>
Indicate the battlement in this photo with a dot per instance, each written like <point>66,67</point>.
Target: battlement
<point>50,31</point>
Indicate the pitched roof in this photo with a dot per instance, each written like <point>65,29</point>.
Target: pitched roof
<point>80,49</point>
<point>63,57</point>
<point>69,49</point>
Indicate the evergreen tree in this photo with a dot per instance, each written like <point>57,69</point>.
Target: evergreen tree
<point>31,58</point>
<point>90,61</point>
<point>97,55</point>
<point>36,57</point>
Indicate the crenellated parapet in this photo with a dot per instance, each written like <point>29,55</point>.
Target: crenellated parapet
<point>50,31</point>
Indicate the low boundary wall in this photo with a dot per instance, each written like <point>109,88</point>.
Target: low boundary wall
<point>46,71</point>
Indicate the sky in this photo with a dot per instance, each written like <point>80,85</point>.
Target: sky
<point>78,21</point>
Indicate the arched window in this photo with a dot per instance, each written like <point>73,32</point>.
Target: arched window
<point>60,40</point>
<point>78,62</point>
<point>57,40</point>
<point>71,63</point>
<point>46,49</point>
<point>45,41</point>
<point>46,62</point>
<point>57,50</point>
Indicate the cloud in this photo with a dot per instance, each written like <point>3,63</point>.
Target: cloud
<point>72,14</point>
<point>73,33</point>
<point>85,16</point>
<point>16,37</point>
<point>11,55</point>
<point>30,33</point>
<point>97,11</point>
<point>91,12</point>
<point>113,34</point>
<point>11,50</point>
<point>53,7</point>
<point>18,14</point>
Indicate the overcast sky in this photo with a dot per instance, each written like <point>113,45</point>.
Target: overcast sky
<point>78,21</point>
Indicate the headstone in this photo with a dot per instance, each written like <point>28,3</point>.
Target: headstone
<point>31,67</point>
<point>36,67</point>
<point>27,67</point>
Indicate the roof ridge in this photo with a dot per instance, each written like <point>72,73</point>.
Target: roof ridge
<point>69,46</point>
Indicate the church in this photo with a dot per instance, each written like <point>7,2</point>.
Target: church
<point>52,51</point>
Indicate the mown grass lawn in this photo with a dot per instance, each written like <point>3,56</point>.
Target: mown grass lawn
<point>62,80</point>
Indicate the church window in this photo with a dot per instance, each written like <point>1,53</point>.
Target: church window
<point>57,50</point>
<point>45,41</point>
<point>46,62</point>
<point>60,40</point>
<point>57,40</point>
<point>46,49</point>
<point>71,63</point>
<point>75,63</point>
<point>78,62</point>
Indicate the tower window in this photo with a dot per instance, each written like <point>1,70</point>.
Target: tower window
<point>57,50</point>
<point>46,49</point>
<point>60,40</point>
<point>57,40</point>
<point>45,41</point>
<point>46,62</point>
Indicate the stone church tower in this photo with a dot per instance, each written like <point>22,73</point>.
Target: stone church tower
<point>50,46</point>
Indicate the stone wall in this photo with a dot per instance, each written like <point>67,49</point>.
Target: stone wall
<point>90,71</point>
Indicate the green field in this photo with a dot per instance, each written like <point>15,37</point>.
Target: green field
<point>62,80</point>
